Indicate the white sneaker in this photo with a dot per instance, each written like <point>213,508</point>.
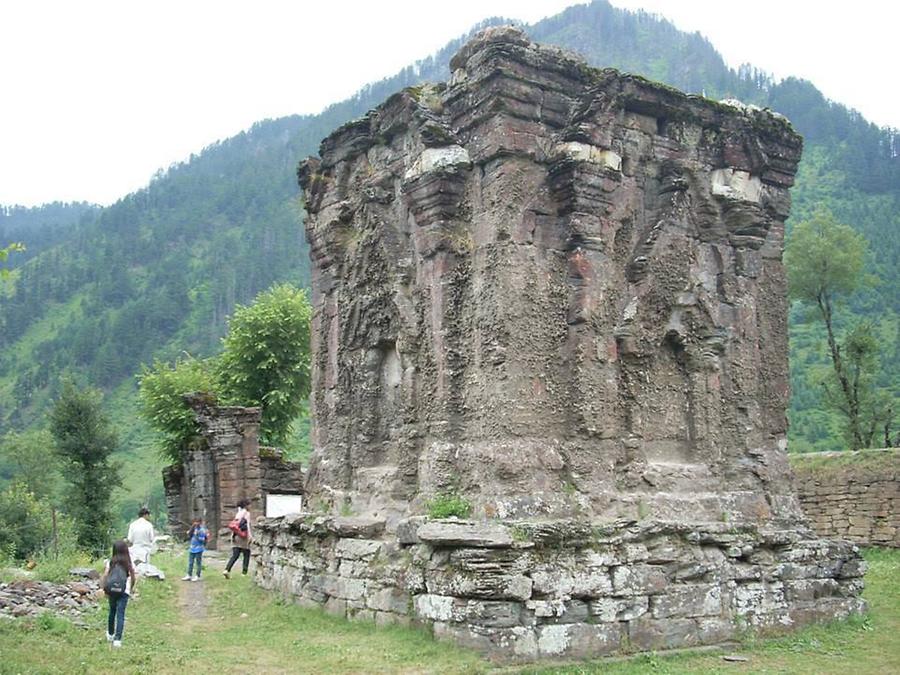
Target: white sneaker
<point>117,643</point>
<point>109,637</point>
<point>186,577</point>
<point>195,578</point>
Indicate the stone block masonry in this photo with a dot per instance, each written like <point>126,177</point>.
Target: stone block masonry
<point>851,495</point>
<point>227,465</point>
<point>562,589</point>
<point>553,297</point>
<point>555,290</point>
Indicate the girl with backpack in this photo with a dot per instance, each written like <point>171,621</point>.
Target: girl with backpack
<point>118,583</point>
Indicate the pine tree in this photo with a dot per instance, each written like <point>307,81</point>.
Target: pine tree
<point>85,443</point>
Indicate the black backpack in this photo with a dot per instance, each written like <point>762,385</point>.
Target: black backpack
<point>116,580</point>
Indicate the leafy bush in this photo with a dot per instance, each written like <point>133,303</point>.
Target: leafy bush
<point>161,390</point>
<point>449,505</point>
<point>26,520</point>
<point>265,362</point>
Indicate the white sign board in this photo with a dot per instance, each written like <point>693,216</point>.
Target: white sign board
<point>281,505</point>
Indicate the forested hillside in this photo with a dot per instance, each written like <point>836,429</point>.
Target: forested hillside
<point>158,273</point>
<point>42,226</point>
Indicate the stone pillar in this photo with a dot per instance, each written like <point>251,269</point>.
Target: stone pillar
<point>229,460</point>
<point>177,505</point>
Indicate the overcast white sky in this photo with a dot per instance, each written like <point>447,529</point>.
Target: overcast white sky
<point>99,94</point>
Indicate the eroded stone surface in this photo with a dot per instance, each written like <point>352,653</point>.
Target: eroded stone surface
<point>555,290</point>
<point>557,293</point>
<point>529,600</point>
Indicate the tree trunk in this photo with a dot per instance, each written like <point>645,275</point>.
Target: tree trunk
<point>850,392</point>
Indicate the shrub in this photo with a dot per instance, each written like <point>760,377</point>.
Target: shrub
<point>26,520</point>
<point>162,389</point>
<point>449,505</point>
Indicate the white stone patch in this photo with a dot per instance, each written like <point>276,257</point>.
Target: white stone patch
<point>435,607</point>
<point>630,310</point>
<point>354,549</point>
<point>736,184</point>
<point>439,158</point>
<point>524,643</point>
<point>547,608</point>
<point>584,152</point>
<point>554,640</point>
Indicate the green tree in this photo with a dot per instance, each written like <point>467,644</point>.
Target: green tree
<point>824,260</point>
<point>85,444</point>
<point>28,458</point>
<point>4,254</point>
<point>874,405</point>
<point>27,523</point>
<point>161,391</point>
<point>266,358</point>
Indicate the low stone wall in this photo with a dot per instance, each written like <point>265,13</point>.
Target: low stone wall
<point>561,589</point>
<point>851,495</point>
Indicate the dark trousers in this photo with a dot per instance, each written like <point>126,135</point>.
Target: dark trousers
<point>198,558</point>
<point>235,554</point>
<point>115,624</point>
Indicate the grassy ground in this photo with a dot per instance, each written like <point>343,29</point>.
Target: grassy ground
<point>229,626</point>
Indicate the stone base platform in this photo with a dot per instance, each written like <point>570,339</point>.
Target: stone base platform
<point>563,589</point>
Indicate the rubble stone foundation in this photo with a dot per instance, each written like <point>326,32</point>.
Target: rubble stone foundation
<point>530,590</point>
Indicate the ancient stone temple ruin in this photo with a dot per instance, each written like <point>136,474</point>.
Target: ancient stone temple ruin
<point>226,465</point>
<point>553,295</point>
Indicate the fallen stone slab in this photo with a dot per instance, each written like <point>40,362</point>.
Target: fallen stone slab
<point>465,533</point>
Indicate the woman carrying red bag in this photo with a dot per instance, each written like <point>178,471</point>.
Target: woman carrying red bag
<point>240,538</point>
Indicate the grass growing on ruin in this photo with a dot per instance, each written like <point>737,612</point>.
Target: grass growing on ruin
<point>837,461</point>
<point>241,629</point>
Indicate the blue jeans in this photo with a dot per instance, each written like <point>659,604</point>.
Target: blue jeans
<point>198,557</point>
<point>116,622</point>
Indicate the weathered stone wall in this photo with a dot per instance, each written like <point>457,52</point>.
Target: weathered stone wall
<point>531,590</point>
<point>853,496</point>
<point>555,293</point>
<point>554,289</point>
<point>177,499</point>
<point>225,468</point>
<point>278,475</point>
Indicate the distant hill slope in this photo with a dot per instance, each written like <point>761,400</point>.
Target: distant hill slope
<point>41,226</point>
<point>159,272</point>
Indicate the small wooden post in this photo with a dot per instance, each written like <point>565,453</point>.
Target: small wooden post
<point>55,533</point>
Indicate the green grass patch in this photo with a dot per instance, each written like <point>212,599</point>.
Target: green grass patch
<point>837,461</point>
<point>449,505</point>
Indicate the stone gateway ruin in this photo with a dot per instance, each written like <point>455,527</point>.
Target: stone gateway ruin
<point>552,299</point>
